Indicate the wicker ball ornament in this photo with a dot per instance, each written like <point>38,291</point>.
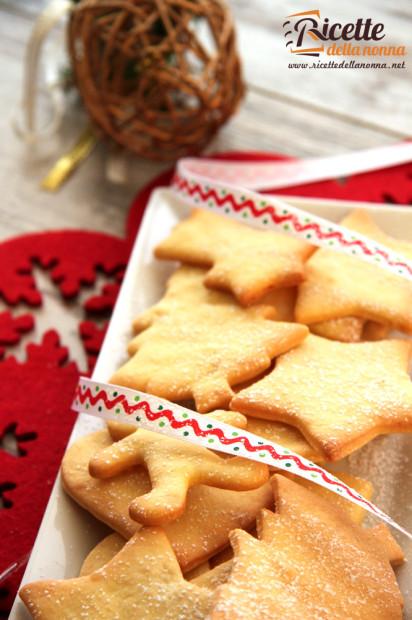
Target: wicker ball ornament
<point>157,76</point>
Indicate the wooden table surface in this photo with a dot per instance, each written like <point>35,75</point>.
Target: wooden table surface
<point>294,112</point>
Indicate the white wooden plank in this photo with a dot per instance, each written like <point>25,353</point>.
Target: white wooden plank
<point>383,97</point>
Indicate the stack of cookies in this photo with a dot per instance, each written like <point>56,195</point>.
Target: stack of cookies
<point>268,333</point>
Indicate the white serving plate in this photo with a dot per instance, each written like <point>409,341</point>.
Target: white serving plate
<point>67,532</point>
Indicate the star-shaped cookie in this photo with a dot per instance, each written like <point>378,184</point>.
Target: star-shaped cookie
<point>199,350</point>
<point>142,581</point>
<point>350,329</point>
<point>337,285</point>
<point>339,395</point>
<point>243,260</point>
<point>311,562</point>
<point>173,466</point>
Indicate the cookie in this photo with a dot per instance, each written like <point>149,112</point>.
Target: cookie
<point>375,331</point>
<point>338,285</point>
<point>311,561</point>
<point>102,553</point>
<point>199,533</point>
<point>110,546</point>
<point>346,329</point>
<point>283,300</point>
<point>287,436</point>
<point>350,329</point>
<point>143,581</point>
<point>187,465</point>
<point>201,350</point>
<point>243,260</point>
<point>339,395</point>
<point>119,430</point>
<point>356,513</point>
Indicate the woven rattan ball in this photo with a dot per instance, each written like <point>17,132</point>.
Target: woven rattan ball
<point>157,76</point>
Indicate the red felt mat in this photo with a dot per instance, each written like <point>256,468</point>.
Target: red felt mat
<point>35,394</point>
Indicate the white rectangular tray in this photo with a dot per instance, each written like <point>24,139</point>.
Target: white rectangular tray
<point>67,532</point>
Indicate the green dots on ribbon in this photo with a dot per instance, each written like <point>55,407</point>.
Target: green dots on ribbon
<point>263,203</point>
<point>209,425</point>
<point>236,448</point>
<point>308,236</point>
<point>284,211</point>
<point>137,418</point>
<point>262,454</point>
<point>288,464</point>
<point>286,227</point>
<point>87,405</point>
<point>266,221</point>
<point>313,475</point>
<point>331,242</point>
<point>160,407</point>
<point>136,399</point>
<point>243,198</point>
<point>211,440</point>
<point>99,408</point>
<point>235,434</point>
<point>185,415</point>
<point>115,394</point>
<point>97,388</point>
<point>117,410</point>
<point>245,214</point>
<point>227,210</point>
<point>185,433</point>
<point>339,490</point>
<point>161,424</point>
<point>210,203</point>
<point>286,451</point>
<point>223,192</point>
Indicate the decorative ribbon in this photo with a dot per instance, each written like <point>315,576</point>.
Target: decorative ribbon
<point>158,415</point>
<point>195,182</point>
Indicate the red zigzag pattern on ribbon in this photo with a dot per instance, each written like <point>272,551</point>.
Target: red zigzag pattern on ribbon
<point>101,395</point>
<point>210,194</point>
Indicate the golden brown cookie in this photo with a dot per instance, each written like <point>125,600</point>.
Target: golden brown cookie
<point>375,331</point>
<point>283,300</point>
<point>110,546</point>
<point>142,581</point>
<point>354,511</point>
<point>346,329</point>
<point>108,500</point>
<point>243,260</point>
<point>173,467</point>
<point>119,430</point>
<point>337,285</point>
<point>200,350</point>
<point>102,553</point>
<point>287,436</point>
<point>311,562</point>
<point>202,575</point>
<point>339,395</point>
